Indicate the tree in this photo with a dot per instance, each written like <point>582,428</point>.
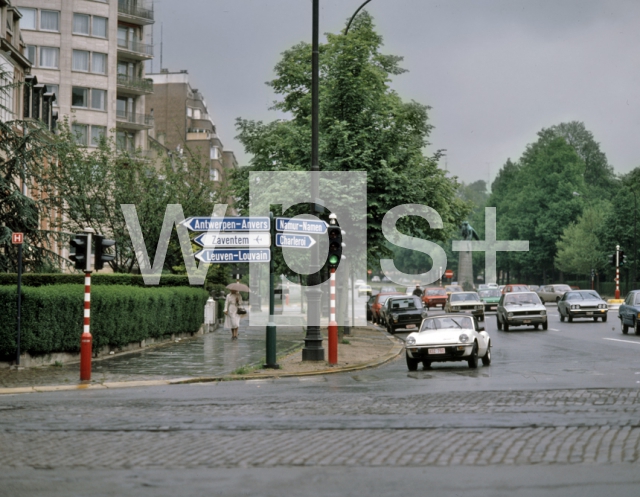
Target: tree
<point>364,126</point>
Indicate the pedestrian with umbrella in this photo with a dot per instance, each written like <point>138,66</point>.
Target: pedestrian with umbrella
<point>233,309</point>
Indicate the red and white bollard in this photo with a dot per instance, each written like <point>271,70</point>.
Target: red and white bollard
<point>86,340</point>
<point>333,326</point>
<point>617,295</point>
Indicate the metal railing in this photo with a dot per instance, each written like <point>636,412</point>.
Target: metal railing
<point>134,118</point>
<point>135,46</point>
<point>133,8</point>
<point>140,84</point>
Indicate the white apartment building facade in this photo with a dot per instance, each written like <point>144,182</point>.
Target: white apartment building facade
<point>91,54</point>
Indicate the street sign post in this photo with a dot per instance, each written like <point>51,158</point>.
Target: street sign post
<point>18,239</point>
<point>294,241</point>
<point>226,256</point>
<point>260,239</point>
<point>205,223</point>
<point>301,225</point>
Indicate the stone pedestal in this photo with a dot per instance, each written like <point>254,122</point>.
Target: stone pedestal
<point>465,270</point>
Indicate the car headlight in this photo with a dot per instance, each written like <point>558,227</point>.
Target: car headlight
<point>574,306</point>
<point>543,313</point>
<point>479,307</point>
<point>510,315</point>
<point>411,341</point>
<point>394,317</point>
<point>602,306</point>
<point>464,338</point>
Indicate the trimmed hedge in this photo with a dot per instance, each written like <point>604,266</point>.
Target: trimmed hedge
<point>35,279</point>
<point>52,316</point>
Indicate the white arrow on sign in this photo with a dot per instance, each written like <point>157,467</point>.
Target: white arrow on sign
<point>256,239</point>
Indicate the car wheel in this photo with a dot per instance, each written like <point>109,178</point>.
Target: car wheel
<point>486,360</point>
<point>443,307</point>
<point>426,364</point>
<point>499,322</point>
<point>545,325</point>
<point>412,364</point>
<point>636,327</point>
<point>595,318</point>
<point>604,318</point>
<point>506,326</point>
<point>390,329</point>
<point>569,317</point>
<point>473,359</point>
<point>561,316</point>
<point>625,328</point>
<point>557,300</point>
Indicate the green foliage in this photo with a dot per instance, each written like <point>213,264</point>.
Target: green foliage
<point>52,316</point>
<point>364,126</point>
<point>38,279</point>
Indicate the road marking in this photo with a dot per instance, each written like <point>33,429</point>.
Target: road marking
<point>553,329</point>
<point>625,341</point>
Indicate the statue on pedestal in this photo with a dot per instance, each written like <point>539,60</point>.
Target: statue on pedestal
<point>465,262</point>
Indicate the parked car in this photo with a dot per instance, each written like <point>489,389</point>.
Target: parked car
<point>515,288</point>
<point>520,309</point>
<point>552,293</point>
<point>368,307</point>
<point>402,312</point>
<point>379,301</point>
<point>434,297</point>
<point>385,278</point>
<point>452,337</point>
<point>387,289</point>
<point>364,290</point>
<point>375,279</point>
<point>490,297</point>
<point>493,285</point>
<point>533,288</point>
<point>453,288</point>
<point>482,286</point>
<point>582,304</point>
<point>629,312</point>
<point>466,302</point>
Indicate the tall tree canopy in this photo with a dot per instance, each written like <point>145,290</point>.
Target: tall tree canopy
<point>364,126</point>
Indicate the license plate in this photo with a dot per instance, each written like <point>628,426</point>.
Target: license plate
<point>589,313</point>
<point>409,326</point>
<point>526,321</point>
<point>436,351</point>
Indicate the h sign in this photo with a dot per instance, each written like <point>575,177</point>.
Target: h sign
<point>17,238</point>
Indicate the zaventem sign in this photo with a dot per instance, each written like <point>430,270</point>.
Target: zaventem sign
<point>224,240</point>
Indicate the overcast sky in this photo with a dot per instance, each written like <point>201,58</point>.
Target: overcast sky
<point>494,71</point>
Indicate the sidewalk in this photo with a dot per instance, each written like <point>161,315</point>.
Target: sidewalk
<point>210,357</point>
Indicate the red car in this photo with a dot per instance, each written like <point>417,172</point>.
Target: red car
<point>434,297</point>
<point>515,288</point>
<point>379,301</point>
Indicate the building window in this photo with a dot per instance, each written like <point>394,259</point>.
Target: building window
<point>30,53</point>
<point>196,113</point>
<point>214,153</point>
<point>49,20</point>
<point>80,60</point>
<point>97,133</point>
<point>99,27</point>
<point>99,99</point>
<point>99,63</point>
<point>81,24</point>
<point>28,20</point>
<point>79,134</point>
<point>125,141</point>
<point>214,175</point>
<point>49,57</point>
<point>189,112</point>
<point>79,97</point>
<point>6,90</point>
<point>56,90</point>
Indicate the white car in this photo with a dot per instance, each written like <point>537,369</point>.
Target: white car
<point>375,279</point>
<point>451,337</point>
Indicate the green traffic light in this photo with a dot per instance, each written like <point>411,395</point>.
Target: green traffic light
<point>333,259</point>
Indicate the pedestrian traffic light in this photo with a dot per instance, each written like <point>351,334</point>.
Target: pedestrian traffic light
<point>102,244</point>
<point>612,259</point>
<point>623,258</point>
<point>335,246</point>
<point>80,251</point>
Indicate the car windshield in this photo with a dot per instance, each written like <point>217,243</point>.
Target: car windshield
<point>388,289</point>
<point>562,288</point>
<point>522,299</point>
<point>404,304</point>
<point>446,323</point>
<point>583,296</point>
<point>492,292</point>
<point>437,291</point>
<point>464,297</point>
<point>454,288</point>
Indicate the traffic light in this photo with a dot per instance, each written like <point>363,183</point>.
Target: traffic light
<point>81,253</point>
<point>623,258</point>
<point>612,259</point>
<point>335,246</point>
<point>102,244</point>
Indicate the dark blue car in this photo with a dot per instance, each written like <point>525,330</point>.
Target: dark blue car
<point>629,313</point>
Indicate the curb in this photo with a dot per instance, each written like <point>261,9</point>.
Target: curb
<point>395,352</point>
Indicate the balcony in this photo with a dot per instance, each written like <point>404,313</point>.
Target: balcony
<point>199,134</point>
<point>135,86</point>
<point>133,12</point>
<point>134,49</point>
<point>133,120</point>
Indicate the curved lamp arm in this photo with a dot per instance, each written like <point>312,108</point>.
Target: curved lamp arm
<point>346,31</point>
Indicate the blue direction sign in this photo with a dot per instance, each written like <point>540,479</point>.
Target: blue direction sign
<point>301,225</point>
<point>224,240</point>
<point>227,223</point>
<point>221,256</point>
<point>294,241</point>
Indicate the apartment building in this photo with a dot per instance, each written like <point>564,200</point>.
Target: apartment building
<point>182,120</point>
<point>91,55</point>
<point>14,66</point>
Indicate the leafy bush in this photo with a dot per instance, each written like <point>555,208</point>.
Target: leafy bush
<point>52,316</point>
<point>35,279</point>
